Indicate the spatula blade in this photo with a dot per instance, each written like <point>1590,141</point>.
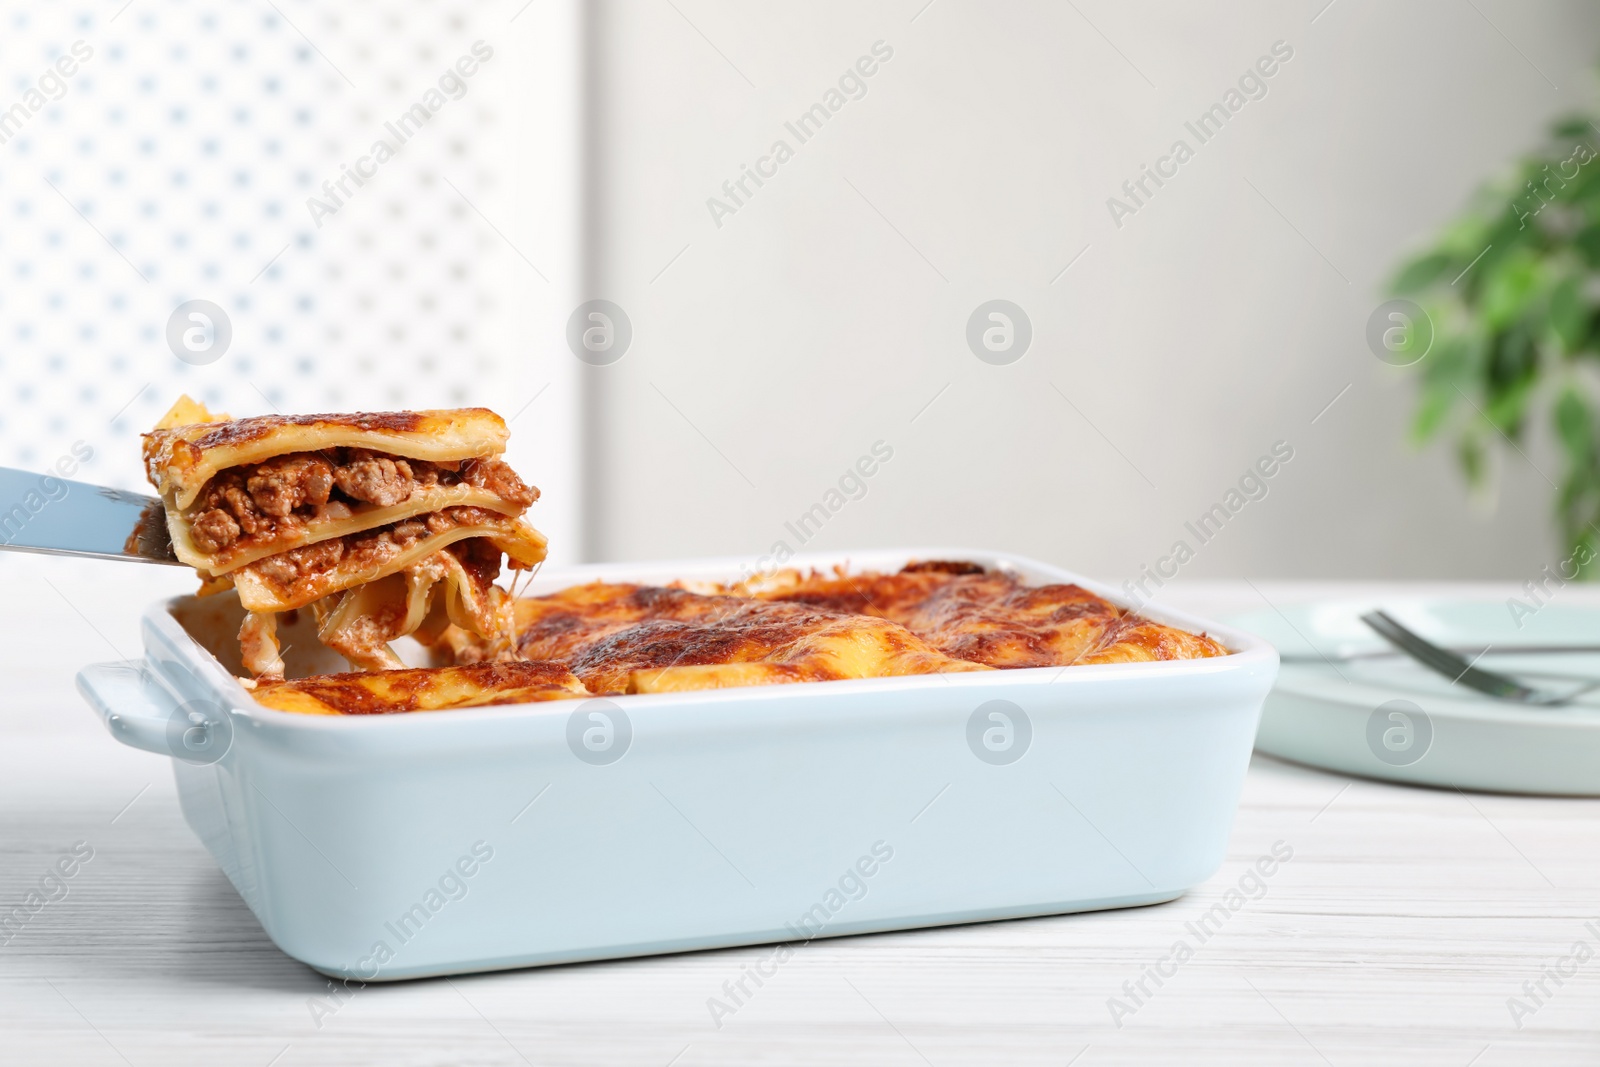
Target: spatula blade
<point>43,513</point>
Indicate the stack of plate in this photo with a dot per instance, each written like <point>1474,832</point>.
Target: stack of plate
<point>1335,706</point>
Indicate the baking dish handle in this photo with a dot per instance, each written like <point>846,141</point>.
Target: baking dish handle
<point>141,713</point>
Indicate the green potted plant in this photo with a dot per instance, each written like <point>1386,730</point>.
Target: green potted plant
<point>1510,299</point>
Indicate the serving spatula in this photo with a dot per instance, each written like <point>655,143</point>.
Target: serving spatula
<point>44,513</point>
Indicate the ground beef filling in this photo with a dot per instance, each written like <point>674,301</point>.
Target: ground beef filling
<point>371,550</point>
<point>275,499</point>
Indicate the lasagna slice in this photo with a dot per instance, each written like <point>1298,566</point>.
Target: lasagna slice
<point>237,491</point>
<point>646,639</point>
<point>383,524</point>
<point>990,617</point>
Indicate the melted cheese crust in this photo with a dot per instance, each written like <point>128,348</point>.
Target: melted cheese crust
<point>645,639</point>
<point>991,617</point>
<point>611,638</point>
<point>422,689</point>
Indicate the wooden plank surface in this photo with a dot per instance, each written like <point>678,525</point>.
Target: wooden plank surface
<point>1396,933</point>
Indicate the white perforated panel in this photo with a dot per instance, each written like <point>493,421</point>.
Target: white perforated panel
<point>177,162</point>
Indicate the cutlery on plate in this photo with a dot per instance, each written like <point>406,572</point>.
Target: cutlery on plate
<point>1462,671</point>
<point>44,513</point>
<point>1472,650</point>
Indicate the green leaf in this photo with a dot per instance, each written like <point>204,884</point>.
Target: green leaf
<point>1586,184</point>
<point>1474,463</point>
<point>1422,272</point>
<point>1507,409</point>
<point>1512,364</point>
<point>1569,314</point>
<point>1435,404</point>
<point>1575,428</point>
<point>1448,367</point>
<point>1579,495</point>
<point>1570,126</point>
<point>1509,289</point>
<point>1587,242</point>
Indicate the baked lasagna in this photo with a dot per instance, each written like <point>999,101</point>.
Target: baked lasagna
<point>393,524</point>
<point>383,524</point>
<point>928,618</point>
<point>610,638</point>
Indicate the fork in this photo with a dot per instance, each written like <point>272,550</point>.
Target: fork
<point>1461,671</point>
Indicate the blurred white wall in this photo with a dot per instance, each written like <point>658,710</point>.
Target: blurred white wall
<point>829,311</point>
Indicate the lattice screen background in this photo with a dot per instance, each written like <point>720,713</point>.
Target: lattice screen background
<point>176,166</point>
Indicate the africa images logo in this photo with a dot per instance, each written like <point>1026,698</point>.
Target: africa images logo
<point>598,732</point>
<point>999,332</point>
<point>599,332</point>
<point>1252,85</point>
<point>999,732</point>
<point>452,85</point>
<point>1399,733</point>
<point>852,85</point>
<point>199,332</point>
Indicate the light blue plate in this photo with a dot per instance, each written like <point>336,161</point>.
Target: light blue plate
<point>1391,718</point>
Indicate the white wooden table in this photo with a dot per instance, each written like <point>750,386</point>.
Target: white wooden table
<point>1397,933</point>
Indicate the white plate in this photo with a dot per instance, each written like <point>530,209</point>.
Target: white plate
<point>1391,718</point>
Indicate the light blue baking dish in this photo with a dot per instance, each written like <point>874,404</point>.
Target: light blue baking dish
<point>392,847</point>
